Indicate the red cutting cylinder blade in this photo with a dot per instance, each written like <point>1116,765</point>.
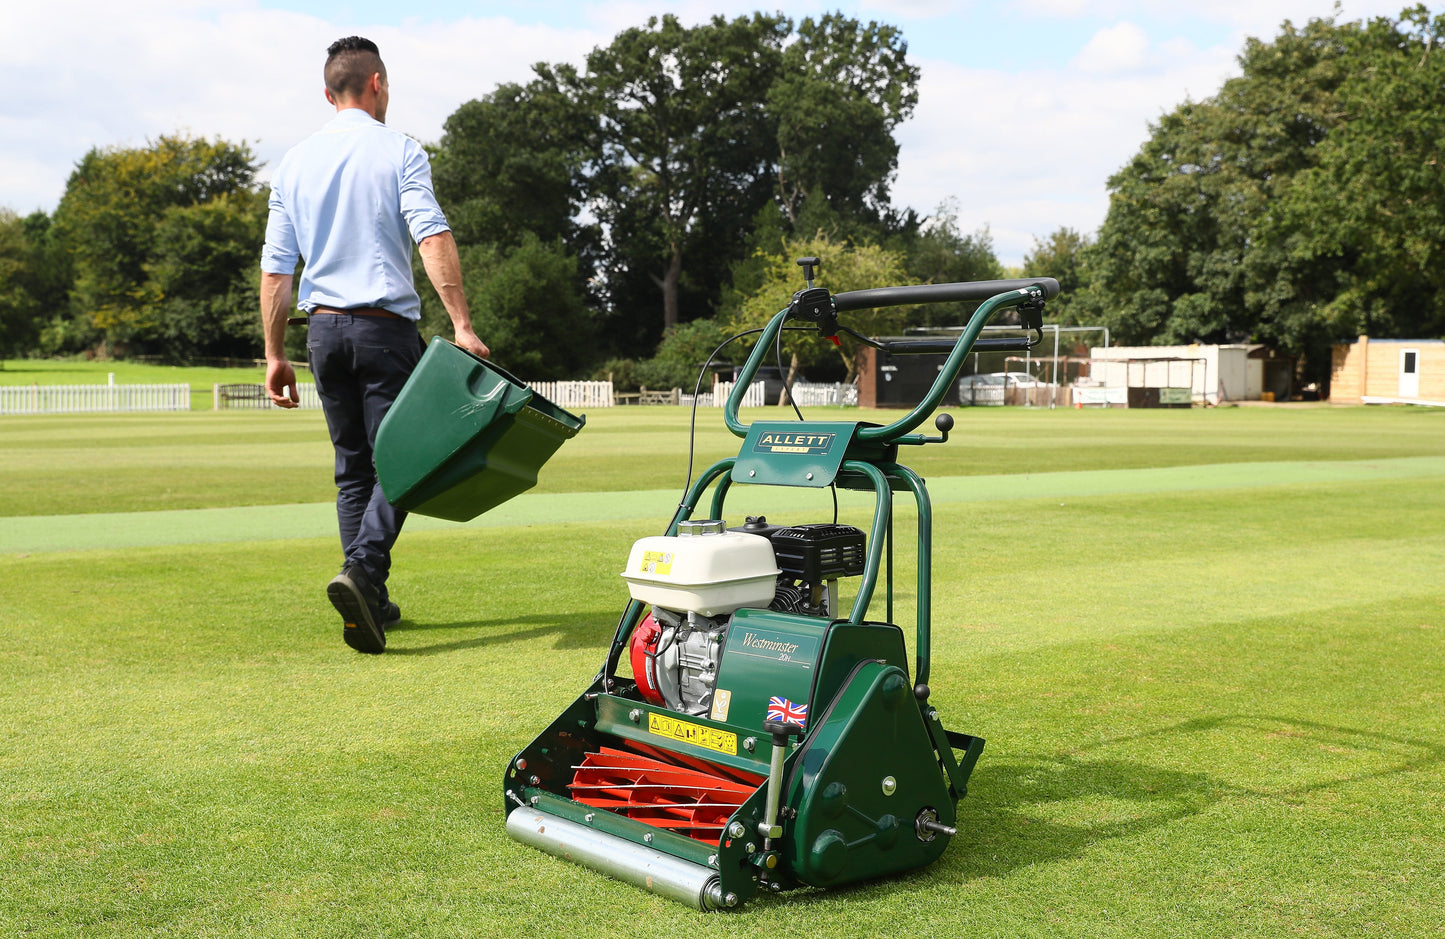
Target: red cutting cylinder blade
<point>688,799</point>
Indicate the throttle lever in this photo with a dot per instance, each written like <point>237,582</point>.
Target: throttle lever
<point>815,305</point>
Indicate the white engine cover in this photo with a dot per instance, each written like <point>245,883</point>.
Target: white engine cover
<point>708,574</point>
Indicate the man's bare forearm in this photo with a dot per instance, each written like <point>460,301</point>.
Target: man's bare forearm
<point>275,308</point>
<point>443,266</point>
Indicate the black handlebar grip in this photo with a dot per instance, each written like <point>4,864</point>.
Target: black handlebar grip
<point>1003,344</point>
<point>919,346</point>
<point>943,345</point>
<point>939,293</point>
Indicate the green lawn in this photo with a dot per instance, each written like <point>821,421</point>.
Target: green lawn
<point>137,462</point>
<point>1212,709</point>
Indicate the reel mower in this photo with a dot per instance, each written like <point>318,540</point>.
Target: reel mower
<point>747,732</point>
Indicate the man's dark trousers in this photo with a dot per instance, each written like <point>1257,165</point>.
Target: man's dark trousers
<point>360,364</point>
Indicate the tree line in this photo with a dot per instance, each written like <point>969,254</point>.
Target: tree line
<point>1299,206</point>
<point>627,215</point>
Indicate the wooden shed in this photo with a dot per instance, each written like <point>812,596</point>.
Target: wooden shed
<point>1388,371</point>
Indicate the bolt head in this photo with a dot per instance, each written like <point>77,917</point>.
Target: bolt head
<point>890,785</point>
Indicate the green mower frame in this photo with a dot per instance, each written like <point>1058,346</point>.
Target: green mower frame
<point>869,786</point>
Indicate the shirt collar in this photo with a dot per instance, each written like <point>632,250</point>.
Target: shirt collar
<point>353,116</point>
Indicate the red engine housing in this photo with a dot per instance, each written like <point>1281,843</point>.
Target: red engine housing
<point>644,658</point>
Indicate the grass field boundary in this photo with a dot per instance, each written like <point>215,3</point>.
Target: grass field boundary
<point>108,531</point>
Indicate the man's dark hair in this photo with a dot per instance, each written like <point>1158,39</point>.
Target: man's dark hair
<point>349,63</point>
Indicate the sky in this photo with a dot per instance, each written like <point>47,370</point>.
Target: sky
<point>1025,109</point>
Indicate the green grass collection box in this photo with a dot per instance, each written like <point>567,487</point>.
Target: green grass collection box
<point>464,436</point>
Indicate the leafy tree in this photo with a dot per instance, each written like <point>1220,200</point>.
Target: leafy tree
<point>1061,256</point>
<point>675,152</point>
<point>511,163</point>
<point>937,252</point>
<point>34,277</point>
<point>115,201</point>
<point>683,136</point>
<point>1358,238</point>
<point>842,89</point>
<point>17,308</point>
<point>1297,206</point>
<point>681,355</point>
<point>525,305</point>
<point>845,267</point>
<point>201,281</point>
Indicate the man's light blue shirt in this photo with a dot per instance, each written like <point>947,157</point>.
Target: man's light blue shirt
<point>350,200</point>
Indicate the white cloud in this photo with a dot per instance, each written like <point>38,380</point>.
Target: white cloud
<point>1120,48</point>
<point>1260,17</point>
<point>113,75</point>
<point>1024,151</point>
<point>1028,153</point>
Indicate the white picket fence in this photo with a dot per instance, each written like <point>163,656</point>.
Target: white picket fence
<point>755,396</point>
<point>835,394</point>
<point>100,399</point>
<point>93,399</point>
<point>575,394</point>
<point>564,394</point>
<point>806,394</point>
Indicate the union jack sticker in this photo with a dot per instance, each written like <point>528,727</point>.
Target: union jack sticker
<point>781,709</point>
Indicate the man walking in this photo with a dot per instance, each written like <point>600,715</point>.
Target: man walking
<point>348,202</point>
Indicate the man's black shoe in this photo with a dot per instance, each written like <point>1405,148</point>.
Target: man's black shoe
<point>355,599</point>
<point>390,615</point>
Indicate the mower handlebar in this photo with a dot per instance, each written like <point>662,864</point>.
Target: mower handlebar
<point>938,293</point>
<point>935,346</point>
<point>816,305</point>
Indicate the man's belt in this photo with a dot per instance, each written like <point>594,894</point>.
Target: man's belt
<point>360,311</point>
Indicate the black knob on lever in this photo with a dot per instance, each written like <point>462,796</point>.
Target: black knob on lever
<point>809,265</point>
<point>769,827</point>
<point>944,423</point>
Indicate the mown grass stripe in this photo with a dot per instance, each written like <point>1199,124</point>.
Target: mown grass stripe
<point>268,522</point>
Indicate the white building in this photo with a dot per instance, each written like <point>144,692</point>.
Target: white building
<point>1181,374</point>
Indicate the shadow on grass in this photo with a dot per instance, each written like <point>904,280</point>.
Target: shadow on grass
<point>591,630</point>
<point>1040,809</point>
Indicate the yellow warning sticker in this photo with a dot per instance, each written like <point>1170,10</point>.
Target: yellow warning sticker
<point>695,734</point>
<point>656,562</point>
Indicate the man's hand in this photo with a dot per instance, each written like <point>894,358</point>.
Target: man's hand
<point>467,338</point>
<point>275,304</point>
<point>281,378</point>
